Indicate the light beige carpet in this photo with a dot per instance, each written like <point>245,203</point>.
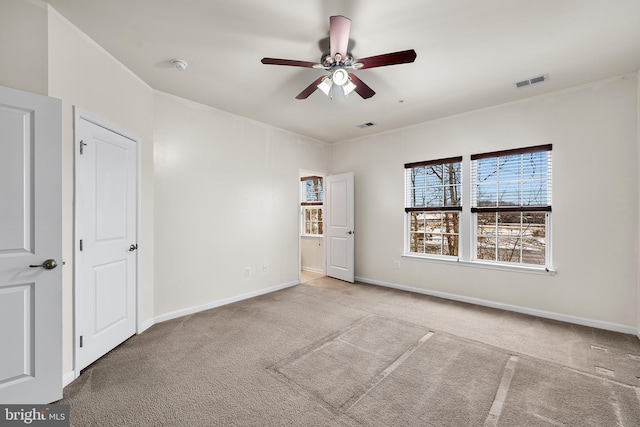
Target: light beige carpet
<point>330,353</point>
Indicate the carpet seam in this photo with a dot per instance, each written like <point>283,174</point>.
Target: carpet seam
<point>375,381</point>
<point>537,358</point>
<point>501,394</point>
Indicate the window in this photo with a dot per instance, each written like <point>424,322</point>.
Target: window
<point>511,205</point>
<point>311,198</point>
<point>502,218</point>
<point>432,205</point>
<point>312,221</point>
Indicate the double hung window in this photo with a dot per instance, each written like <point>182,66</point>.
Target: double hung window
<point>432,205</point>
<point>511,205</point>
<point>503,217</point>
<point>311,199</point>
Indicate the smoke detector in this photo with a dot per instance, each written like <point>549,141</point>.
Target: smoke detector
<point>179,64</point>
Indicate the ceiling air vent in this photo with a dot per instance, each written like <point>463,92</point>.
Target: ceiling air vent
<point>366,125</point>
<point>532,81</point>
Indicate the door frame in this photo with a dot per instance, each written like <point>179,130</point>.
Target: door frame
<point>81,114</point>
<point>303,173</point>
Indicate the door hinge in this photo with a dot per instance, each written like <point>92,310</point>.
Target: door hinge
<point>80,245</point>
<point>82,144</point>
<point>81,341</point>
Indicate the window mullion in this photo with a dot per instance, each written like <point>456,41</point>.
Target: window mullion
<point>521,235</point>
<point>497,223</point>
<point>466,236</point>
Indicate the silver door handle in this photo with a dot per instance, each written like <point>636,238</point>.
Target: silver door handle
<point>49,264</point>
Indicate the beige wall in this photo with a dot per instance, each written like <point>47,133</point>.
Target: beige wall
<point>227,198</point>
<point>23,45</point>
<point>83,74</point>
<point>593,130</point>
<point>312,253</point>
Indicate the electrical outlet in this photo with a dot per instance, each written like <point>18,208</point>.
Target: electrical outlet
<point>264,268</point>
<point>396,264</point>
<point>247,271</point>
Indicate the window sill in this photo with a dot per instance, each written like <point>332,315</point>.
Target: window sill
<point>312,235</point>
<point>483,264</point>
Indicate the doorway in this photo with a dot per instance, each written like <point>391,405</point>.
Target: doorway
<point>311,226</point>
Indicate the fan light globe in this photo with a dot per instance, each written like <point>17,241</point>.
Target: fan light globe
<point>325,85</point>
<point>340,76</point>
<point>348,87</point>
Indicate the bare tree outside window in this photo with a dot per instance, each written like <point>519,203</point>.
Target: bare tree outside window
<point>311,200</point>
<point>313,221</point>
<point>433,204</point>
<point>512,204</point>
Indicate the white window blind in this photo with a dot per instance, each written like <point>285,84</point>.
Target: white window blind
<point>311,191</point>
<point>512,180</point>
<point>511,204</point>
<point>433,185</point>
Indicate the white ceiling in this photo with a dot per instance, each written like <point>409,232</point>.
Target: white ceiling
<point>470,53</point>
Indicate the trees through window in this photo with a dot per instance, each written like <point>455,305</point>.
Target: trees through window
<point>433,203</point>
<point>511,202</point>
<point>311,200</point>
<point>509,208</point>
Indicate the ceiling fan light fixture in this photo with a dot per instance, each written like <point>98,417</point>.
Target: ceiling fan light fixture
<point>325,85</point>
<point>340,76</point>
<point>348,87</point>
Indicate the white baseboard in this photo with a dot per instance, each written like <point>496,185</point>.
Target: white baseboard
<point>225,301</point>
<point>146,325</point>
<point>313,270</point>
<point>68,378</point>
<point>518,309</point>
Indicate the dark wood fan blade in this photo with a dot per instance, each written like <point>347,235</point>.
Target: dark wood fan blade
<point>339,29</point>
<point>394,58</point>
<point>310,89</point>
<point>290,62</point>
<point>361,88</point>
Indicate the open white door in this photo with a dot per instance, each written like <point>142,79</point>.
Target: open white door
<point>106,231</point>
<point>30,248</point>
<point>339,230</point>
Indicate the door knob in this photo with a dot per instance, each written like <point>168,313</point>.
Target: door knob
<point>49,264</point>
<point>350,232</point>
<point>133,248</point>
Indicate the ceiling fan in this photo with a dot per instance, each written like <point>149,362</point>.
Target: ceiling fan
<point>339,61</point>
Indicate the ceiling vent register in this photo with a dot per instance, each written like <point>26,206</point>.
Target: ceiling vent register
<point>532,81</point>
<point>366,125</point>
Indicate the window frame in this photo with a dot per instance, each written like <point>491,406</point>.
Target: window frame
<point>468,226</point>
<point>320,220</point>
<point>308,205</point>
<point>426,208</point>
<point>521,208</point>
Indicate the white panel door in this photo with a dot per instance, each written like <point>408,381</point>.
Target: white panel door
<point>106,226</point>
<point>340,226</point>
<point>30,248</point>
